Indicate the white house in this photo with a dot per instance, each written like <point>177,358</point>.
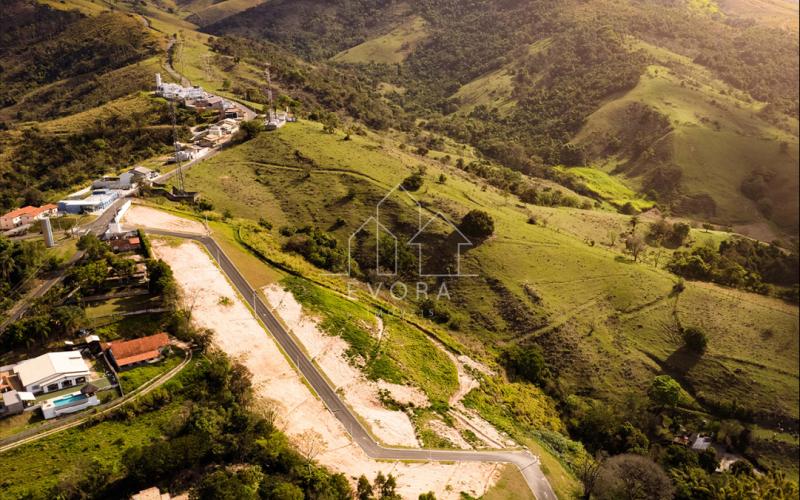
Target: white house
<point>123,181</point>
<point>52,371</point>
<point>141,173</point>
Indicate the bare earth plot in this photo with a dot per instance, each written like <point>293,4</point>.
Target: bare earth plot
<point>301,415</point>
<point>139,215</point>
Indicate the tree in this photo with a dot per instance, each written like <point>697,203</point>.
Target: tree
<point>364,489</point>
<point>588,471</point>
<point>680,231</point>
<point>632,477</point>
<point>526,362</point>
<point>741,468</point>
<point>708,459</point>
<point>413,182</point>
<point>695,339</point>
<point>310,443</point>
<point>477,224</point>
<point>385,487</point>
<point>94,248</point>
<point>329,122</point>
<point>91,275</point>
<point>628,209</point>
<point>665,391</point>
<point>248,130</point>
<point>427,496</point>
<point>223,485</point>
<point>635,245</point>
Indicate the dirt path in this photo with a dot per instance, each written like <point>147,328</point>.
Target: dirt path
<point>302,416</point>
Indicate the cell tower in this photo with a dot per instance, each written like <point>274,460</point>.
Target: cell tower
<point>177,148</point>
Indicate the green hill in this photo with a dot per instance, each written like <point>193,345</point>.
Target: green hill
<point>524,82</point>
<point>606,325</point>
<point>391,48</point>
<point>57,62</point>
<point>711,141</point>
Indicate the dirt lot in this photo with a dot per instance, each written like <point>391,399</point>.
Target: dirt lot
<point>302,416</point>
<point>393,427</point>
<point>142,216</point>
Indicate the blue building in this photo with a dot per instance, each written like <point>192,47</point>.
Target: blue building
<point>100,199</point>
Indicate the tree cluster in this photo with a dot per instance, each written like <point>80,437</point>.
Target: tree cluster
<point>740,263</point>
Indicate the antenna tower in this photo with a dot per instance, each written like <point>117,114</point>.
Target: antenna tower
<point>177,149</point>
<point>271,109</point>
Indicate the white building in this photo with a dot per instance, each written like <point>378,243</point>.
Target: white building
<point>176,91</point>
<point>122,181</point>
<point>52,371</point>
<point>141,173</point>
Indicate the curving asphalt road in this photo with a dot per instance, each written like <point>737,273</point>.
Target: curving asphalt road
<point>527,463</point>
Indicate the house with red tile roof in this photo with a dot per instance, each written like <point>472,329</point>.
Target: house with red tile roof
<point>26,215</point>
<point>127,353</point>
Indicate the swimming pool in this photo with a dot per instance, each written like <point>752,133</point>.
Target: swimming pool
<point>67,400</point>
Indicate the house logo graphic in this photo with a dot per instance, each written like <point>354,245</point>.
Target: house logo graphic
<point>387,265</point>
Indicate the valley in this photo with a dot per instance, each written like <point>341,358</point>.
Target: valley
<point>500,250</point>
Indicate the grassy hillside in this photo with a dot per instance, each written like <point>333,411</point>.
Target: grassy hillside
<point>211,12</point>
<point>391,48</point>
<point>606,325</point>
<point>778,13</point>
<point>520,80</point>
<point>58,62</point>
<point>712,141</point>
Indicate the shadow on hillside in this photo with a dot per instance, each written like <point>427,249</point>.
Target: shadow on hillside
<point>682,361</point>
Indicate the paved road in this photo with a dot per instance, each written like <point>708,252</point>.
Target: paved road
<point>97,227</point>
<point>527,463</point>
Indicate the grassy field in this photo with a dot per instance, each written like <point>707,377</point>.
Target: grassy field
<point>116,306</point>
<point>205,13</point>
<point>610,188</point>
<point>138,376</point>
<point>510,485</point>
<point>128,326</point>
<point>391,48</point>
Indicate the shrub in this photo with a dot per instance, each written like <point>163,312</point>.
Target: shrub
<point>695,339</point>
<point>527,363</point>
<point>478,224</point>
<point>413,182</point>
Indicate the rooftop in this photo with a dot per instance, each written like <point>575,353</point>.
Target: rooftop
<point>48,365</point>
<point>127,352</point>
